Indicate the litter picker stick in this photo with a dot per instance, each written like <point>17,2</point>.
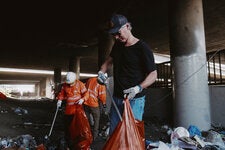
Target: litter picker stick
<point>53,122</point>
<point>114,104</point>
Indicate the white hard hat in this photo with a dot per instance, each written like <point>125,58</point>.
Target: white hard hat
<point>70,77</point>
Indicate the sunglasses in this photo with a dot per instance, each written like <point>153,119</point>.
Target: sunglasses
<point>119,32</point>
<point>116,34</point>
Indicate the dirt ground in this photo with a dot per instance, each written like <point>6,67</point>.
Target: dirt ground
<point>34,117</point>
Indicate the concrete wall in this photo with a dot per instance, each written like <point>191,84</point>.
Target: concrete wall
<point>217,97</point>
<point>159,104</point>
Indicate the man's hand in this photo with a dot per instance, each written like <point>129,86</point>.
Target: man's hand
<point>132,91</point>
<point>59,103</point>
<point>80,101</point>
<point>102,77</point>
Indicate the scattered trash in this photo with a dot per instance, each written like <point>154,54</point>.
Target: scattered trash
<point>104,132</point>
<point>200,142</point>
<point>22,141</point>
<point>194,130</point>
<point>20,111</point>
<point>215,139</point>
<point>178,133</point>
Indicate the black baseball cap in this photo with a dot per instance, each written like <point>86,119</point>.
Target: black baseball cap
<point>116,22</point>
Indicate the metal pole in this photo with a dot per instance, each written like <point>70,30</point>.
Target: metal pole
<point>53,122</point>
<point>114,104</point>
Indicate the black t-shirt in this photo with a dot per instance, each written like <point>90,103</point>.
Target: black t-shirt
<point>131,65</point>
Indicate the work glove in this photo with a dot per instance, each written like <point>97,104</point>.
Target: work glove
<point>102,77</point>
<point>59,103</point>
<point>80,101</point>
<point>131,92</point>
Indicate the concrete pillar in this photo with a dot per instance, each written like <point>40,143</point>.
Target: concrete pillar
<point>72,64</point>
<point>77,69</point>
<point>43,87</point>
<point>49,90</point>
<point>188,53</point>
<point>37,90</point>
<point>57,79</point>
<point>106,42</point>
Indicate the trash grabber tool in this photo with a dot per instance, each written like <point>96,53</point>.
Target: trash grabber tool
<point>53,122</point>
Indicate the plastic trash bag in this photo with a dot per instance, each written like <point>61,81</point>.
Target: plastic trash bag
<point>81,130</point>
<point>2,96</point>
<point>178,133</point>
<point>194,130</point>
<point>129,134</point>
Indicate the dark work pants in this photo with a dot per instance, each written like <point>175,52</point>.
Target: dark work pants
<point>95,111</point>
<point>67,121</point>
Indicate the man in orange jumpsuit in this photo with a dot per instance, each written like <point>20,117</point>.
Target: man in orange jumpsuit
<point>75,93</point>
<point>96,92</point>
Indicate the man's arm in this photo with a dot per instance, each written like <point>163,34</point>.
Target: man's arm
<point>107,64</point>
<point>102,75</point>
<point>149,80</point>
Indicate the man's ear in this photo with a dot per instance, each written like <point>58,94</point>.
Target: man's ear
<point>129,26</point>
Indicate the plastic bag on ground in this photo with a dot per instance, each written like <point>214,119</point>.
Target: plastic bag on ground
<point>81,130</point>
<point>129,134</point>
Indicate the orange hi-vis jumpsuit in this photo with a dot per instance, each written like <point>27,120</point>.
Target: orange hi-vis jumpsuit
<point>77,129</point>
<point>96,92</point>
<point>72,94</point>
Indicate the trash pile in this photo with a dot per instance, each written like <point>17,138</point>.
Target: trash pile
<point>179,139</point>
<point>191,139</point>
<point>23,141</point>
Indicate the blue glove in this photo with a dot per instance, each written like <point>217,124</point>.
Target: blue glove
<point>102,77</point>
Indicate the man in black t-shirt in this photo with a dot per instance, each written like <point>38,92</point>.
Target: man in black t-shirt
<point>134,69</point>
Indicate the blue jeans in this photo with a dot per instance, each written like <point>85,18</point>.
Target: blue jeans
<point>137,106</point>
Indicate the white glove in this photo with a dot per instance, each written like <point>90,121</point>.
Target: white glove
<point>59,103</point>
<point>132,91</point>
<point>80,101</point>
<point>102,77</point>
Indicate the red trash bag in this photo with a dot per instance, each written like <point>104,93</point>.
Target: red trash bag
<point>2,96</point>
<point>129,133</point>
<point>80,130</point>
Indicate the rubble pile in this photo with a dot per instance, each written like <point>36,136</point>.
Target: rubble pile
<point>190,139</point>
<point>22,142</point>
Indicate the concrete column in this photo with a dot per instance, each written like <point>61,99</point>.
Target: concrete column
<point>43,87</point>
<point>49,92</point>
<point>57,79</point>
<point>106,42</point>
<point>37,89</point>
<point>188,53</point>
<point>77,69</point>
<point>72,64</point>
